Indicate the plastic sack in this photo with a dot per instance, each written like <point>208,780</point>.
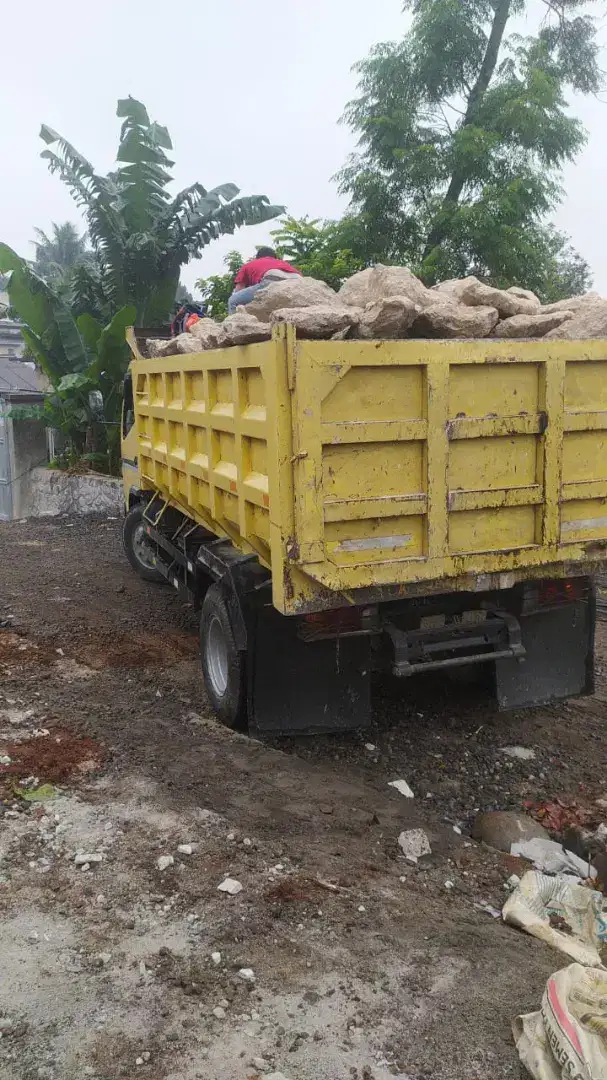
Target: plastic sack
<point>567,1039</point>
<point>561,913</point>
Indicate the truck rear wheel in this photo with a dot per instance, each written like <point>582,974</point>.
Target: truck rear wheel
<point>137,547</point>
<point>223,665</point>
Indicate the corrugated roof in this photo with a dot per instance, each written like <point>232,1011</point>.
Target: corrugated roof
<point>18,377</point>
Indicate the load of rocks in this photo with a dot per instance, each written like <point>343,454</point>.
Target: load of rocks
<point>390,302</point>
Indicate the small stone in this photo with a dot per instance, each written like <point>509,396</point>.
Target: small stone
<point>230,885</point>
<point>93,857</point>
<point>247,842</point>
<point>164,861</point>
<point>185,849</point>
<point>449,884</point>
<point>216,957</point>
<point>139,1061</point>
<point>247,974</point>
<point>260,1064</point>
<point>361,907</point>
<point>370,747</point>
<point>104,957</point>
<point>231,836</point>
<point>219,1013</point>
<point>225,1004</point>
<point>414,843</point>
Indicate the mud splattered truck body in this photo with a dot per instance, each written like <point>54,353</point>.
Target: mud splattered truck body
<point>335,506</point>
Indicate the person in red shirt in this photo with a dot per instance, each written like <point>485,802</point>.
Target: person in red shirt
<point>256,274</point>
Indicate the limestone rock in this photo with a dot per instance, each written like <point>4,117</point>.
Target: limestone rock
<point>357,291</point>
<point>390,317</point>
<point>507,303</point>
<point>380,282</point>
<point>241,328</point>
<point>530,326</point>
<point>161,346</point>
<point>525,294</point>
<point>444,320</point>
<point>501,828</point>
<point>589,321</point>
<point>206,332</point>
<point>574,303</point>
<point>399,281</point>
<point>293,292</point>
<point>187,343</point>
<point>319,321</point>
<point>453,289</point>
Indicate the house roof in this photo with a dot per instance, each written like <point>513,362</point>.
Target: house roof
<point>18,377</point>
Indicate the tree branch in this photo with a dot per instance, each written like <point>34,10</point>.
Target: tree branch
<point>486,71</point>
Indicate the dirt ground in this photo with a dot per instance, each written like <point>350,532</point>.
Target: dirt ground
<point>363,966</point>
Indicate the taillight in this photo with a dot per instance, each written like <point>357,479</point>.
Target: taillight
<point>554,593</point>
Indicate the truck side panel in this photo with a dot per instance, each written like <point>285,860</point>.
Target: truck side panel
<point>354,467</point>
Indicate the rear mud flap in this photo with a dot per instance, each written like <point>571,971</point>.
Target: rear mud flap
<point>559,658</point>
<point>299,686</point>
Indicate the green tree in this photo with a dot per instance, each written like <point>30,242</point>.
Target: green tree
<point>216,290</point>
<point>59,254</point>
<point>463,130</point>
<point>141,236</point>
<point>317,248</point>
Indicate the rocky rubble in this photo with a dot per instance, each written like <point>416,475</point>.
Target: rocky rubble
<point>390,302</point>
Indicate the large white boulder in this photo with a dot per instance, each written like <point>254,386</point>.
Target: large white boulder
<point>444,320</point>
<point>241,328</point>
<point>319,321</point>
<point>380,282</point>
<point>589,321</point>
<point>574,303</point>
<point>530,326</point>
<point>390,317</point>
<point>206,332</point>
<point>158,347</point>
<point>476,293</point>
<point>293,292</point>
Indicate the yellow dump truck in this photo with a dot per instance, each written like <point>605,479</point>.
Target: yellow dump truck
<point>339,506</point>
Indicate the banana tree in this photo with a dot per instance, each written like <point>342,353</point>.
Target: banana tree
<point>141,236</point>
<point>81,359</point>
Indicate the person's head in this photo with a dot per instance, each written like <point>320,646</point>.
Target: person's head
<point>266,253</point>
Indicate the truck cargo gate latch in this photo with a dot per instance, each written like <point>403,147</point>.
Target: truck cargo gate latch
<point>455,644</point>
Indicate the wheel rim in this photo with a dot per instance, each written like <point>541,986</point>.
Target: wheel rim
<point>217,657</point>
<point>142,548</point>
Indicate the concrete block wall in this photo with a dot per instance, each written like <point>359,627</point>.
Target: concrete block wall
<point>51,492</point>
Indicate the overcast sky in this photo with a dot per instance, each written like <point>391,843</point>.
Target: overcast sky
<point>250,92</point>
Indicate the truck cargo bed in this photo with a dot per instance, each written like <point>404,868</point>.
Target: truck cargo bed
<point>359,470</point>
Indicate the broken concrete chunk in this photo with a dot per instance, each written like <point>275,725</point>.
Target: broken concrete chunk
<point>444,320</point>
<point>242,328</point>
<point>161,346</point>
<point>589,321</point>
<point>530,326</point>
<point>574,303</point>
<point>390,317</point>
<point>414,843</point>
<point>502,828</point>
<point>90,857</point>
<point>477,294</point>
<point>206,332</point>
<point>318,321</point>
<point>293,292</point>
<point>403,787</point>
<point>231,886</point>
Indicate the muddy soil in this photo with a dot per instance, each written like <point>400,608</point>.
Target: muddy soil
<point>364,966</point>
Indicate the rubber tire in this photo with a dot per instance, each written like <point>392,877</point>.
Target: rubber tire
<point>231,706</point>
<point>131,522</point>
